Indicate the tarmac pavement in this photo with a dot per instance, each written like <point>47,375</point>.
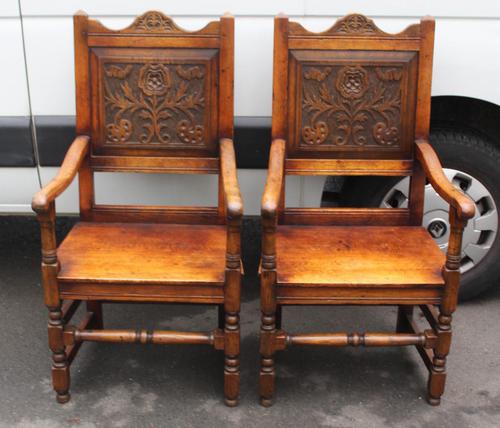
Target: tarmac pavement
<point>181,386</point>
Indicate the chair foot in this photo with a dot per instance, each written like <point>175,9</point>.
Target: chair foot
<point>266,402</point>
<point>267,381</point>
<point>63,398</point>
<point>267,375</point>
<point>232,358</point>
<point>433,401</point>
<point>231,402</point>
<point>60,366</point>
<point>437,372</point>
<point>231,382</point>
<point>435,388</point>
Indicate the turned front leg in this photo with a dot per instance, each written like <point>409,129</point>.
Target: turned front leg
<point>451,274</point>
<point>232,358</point>
<point>437,373</point>
<point>267,338</point>
<point>60,366</point>
<point>232,303</point>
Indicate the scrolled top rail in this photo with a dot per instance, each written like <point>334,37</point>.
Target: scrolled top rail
<point>153,22</point>
<point>356,25</point>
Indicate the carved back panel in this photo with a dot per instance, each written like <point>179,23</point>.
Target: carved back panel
<point>154,102</point>
<point>352,104</point>
<point>353,91</point>
<point>152,90</point>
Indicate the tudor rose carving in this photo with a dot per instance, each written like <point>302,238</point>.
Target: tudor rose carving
<point>351,105</point>
<point>153,104</point>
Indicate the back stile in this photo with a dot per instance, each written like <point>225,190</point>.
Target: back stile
<point>280,77</point>
<point>280,89</point>
<point>226,92</point>
<point>82,93</point>
<point>417,183</point>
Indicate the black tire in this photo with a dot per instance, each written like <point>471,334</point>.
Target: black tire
<point>457,149</point>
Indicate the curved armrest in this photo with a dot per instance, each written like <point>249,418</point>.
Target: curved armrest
<point>434,172</point>
<point>274,183</point>
<point>64,177</point>
<point>232,195</point>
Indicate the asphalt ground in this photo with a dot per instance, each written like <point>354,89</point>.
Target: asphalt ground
<point>181,386</point>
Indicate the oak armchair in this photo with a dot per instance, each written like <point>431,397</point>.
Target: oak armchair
<point>151,98</point>
<point>354,100</point>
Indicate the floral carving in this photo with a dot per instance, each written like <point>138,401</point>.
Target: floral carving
<point>357,24</point>
<point>190,134</point>
<point>352,82</point>
<point>153,22</point>
<point>154,79</point>
<point>385,135</point>
<point>388,74</point>
<point>317,74</point>
<point>316,134</point>
<point>118,72</point>
<point>354,105</point>
<point>189,73</point>
<point>120,131</point>
<point>157,104</point>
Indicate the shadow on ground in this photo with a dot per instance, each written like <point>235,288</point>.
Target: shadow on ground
<point>150,386</point>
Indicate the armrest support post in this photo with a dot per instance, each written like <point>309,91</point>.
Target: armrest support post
<point>434,171</point>
<point>451,269</point>
<point>270,203</point>
<point>49,256</point>
<point>69,168</point>
<point>44,205</point>
<point>233,202</point>
<point>461,210</point>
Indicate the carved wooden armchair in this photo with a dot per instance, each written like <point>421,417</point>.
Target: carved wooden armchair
<point>151,98</point>
<point>355,100</point>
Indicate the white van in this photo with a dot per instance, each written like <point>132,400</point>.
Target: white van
<point>37,110</point>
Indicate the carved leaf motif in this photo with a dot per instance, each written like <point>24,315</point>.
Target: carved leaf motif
<point>158,104</point>
<point>359,105</point>
<point>388,74</point>
<point>118,72</point>
<point>315,135</point>
<point>188,133</point>
<point>316,74</point>
<point>190,72</point>
<point>119,132</point>
<point>152,22</point>
<point>357,24</point>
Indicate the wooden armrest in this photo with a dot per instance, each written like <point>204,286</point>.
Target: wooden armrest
<point>64,177</point>
<point>232,195</point>
<point>274,183</point>
<point>434,172</point>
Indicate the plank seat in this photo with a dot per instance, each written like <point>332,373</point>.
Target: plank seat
<point>143,253</point>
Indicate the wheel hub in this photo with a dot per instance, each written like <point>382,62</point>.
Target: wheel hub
<point>437,228</point>
<point>481,230</point>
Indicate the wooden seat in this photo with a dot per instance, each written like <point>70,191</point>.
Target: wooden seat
<point>359,256</point>
<point>142,253</point>
<point>355,100</point>
<point>150,98</point>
